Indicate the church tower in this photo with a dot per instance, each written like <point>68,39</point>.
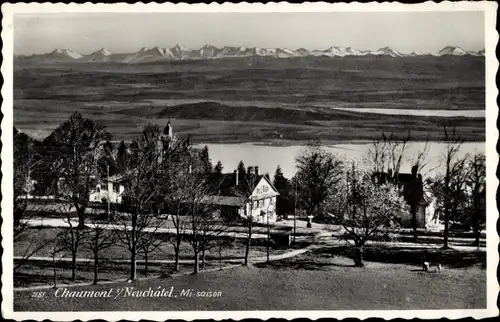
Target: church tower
<point>168,131</point>
<point>166,136</point>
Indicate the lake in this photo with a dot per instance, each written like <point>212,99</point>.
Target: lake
<point>416,112</point>
<point>479,113</point>
<point>268,157</point>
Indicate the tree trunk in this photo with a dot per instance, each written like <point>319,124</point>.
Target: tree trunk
<point>81,218</point>
<point>358,261</point>
<point>133,250</point>
<point>414,221</point>
<point>176,250</point>
<point>146,264</point>
<point>133,266</point>
<point>477,232</point>
<point>96,267</point>
<point>203,258</point>
<point>220,258</point>
<point>73,265</point>
<point>196,262</point>
<point>446,229</point>
<point>249,241</point>
<point>54,270</point>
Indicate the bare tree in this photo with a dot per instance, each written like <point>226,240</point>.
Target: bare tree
<point>73,152</point>
<point>213,234</point>
<point>149,240</point>
<point>206,222</point>
<point>72,235</point>
<point>388,153</point>
<point>420,159</point>
<point>55,250</point>
<point>26,161</point>
<point>246,186</point>
<point>365,209</point>
<point>221,244</point>
<point>387,156</point>
<point>317,175</point>
<point>271,206</point>
<point>449,187</point>
<point>147,184</point>
<point>179,220</point>
<point>175,197</point>
<point>96,240</point>
<point>476,189</point>
<point>137,211</point>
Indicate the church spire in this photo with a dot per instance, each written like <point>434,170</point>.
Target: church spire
<point>168,131</point>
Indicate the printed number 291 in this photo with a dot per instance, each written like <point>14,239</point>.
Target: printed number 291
<point>38,294</point>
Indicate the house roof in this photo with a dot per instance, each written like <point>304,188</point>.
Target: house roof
<point>227,200</point>
<point>412,186</point>
<point>228,186</point>
<point>121,177</point>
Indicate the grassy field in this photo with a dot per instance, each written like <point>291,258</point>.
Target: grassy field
<point>249,101</point>
<point>338,288</point>
<point>118,252</point>
<point>114,260</point>
<point>382,255</point>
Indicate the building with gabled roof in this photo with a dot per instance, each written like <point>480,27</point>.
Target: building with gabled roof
<point>248,194</point>
<point>411,187</point>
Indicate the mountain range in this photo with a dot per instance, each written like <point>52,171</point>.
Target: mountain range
<point>179,52</point>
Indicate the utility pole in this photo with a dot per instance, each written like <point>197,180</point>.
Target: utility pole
<point>268,234</point>
<point>295,212</point>
<point>109,202</point>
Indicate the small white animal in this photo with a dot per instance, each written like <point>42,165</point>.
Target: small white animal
<point>426,266</point>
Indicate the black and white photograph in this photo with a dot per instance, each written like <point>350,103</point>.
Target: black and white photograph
<point>307,160</point>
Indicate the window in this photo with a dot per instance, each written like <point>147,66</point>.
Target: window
<point>257,190</point>
<point>265,188</point>
<point>255,204</point>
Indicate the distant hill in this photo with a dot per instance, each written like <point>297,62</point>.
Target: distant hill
<point>223,112</point>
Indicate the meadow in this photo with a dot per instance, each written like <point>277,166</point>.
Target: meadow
<point>335,287</point>
<point>249,100</point>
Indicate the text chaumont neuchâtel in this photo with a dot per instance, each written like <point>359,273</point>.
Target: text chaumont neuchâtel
<point>121,292</point>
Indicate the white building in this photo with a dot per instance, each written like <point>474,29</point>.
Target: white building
<point>236,198</point>
<point>111,190</point>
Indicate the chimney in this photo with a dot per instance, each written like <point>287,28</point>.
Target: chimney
<point>250,170</point>
<point>256,170</point>
<point>414,171</point>
<point>236,177</point>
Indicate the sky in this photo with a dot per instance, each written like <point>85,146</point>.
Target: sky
<point>128,32</point>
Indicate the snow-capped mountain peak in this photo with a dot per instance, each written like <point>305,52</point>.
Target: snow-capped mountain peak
<point>104,52</point>
<point>302,52</point>
<point>452,50</point>
<point>66,53</point>
<point>158,50</point>
<point>207,46</point>
<point>389,51</point>
<point>180,48</point>
<point>179,52</point>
